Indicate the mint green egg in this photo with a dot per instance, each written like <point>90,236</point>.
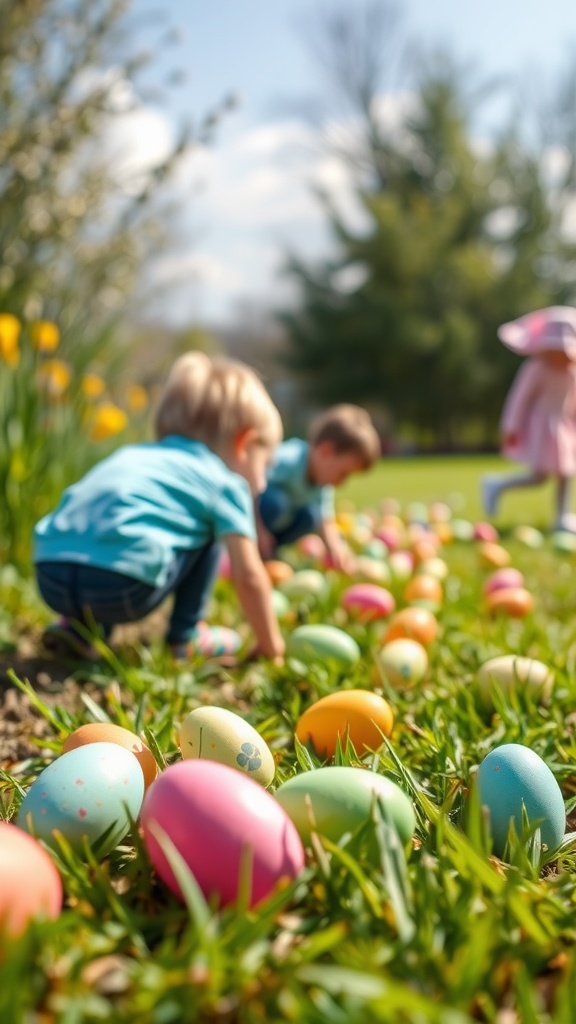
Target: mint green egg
<point>324,644</point>
<point>280,604</point>
<point>304,585</point>
<point>564,541</point>
<point>339,799</point>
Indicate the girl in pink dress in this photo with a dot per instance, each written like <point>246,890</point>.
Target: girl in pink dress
<point>538,423</point>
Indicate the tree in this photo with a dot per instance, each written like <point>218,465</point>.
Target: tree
<point>459,240</point>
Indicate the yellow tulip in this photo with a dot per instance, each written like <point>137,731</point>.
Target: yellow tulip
<point>55,377</point>
<point>92,386</point>
<point>108,420</point>
<point>9,334</point>
<point>136,398</point>
<point>45,335</point>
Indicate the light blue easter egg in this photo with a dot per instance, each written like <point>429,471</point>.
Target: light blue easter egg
<point>513,775</point>
<point>82,794</point>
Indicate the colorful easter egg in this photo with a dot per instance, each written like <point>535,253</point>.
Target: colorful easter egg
<point>335,800</point>
<point>107,732</point>
<point>493,555</point>
<point>564,541</point>
<point>416,623</point>
<point>372,569</point>
<point>509,671</point>
<point>324,644</point>
<point>512,777</point>
<point>503,578</point>
<point>403,662</point>
<point>424,588</point>
<point>224,826</point>
<point>462,529</point>
<point>513,601</point>
<point>368,601</point>
<point>305,585</point>
<point>278,571</point>
<point>390,536</point>
<point>486,532</point>
<point>424,548</point>
<point>312,546</point>
<point>529,536</point>
<point>401,565</point>
<point>433,567</point>
<point>360,715</point>
<point>376,549</point>
<point>221,735</point>
<point>30,886</point>
<point>213,641</point>
<point>83,794</point>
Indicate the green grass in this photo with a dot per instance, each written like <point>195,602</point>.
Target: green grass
<point>455,479</point>
<point>438,932</point>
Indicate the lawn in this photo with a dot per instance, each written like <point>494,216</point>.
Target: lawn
<point>379,927</point>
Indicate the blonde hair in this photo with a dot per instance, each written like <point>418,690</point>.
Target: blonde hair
<point>214,400</point>
<point>348,428</point>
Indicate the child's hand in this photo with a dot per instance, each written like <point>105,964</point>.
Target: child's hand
<point>255,653</point>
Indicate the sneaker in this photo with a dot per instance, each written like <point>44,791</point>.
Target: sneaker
<point>566,523</point>
<point>62,638</point>
<point>490,490</point>
<point>208,642</point>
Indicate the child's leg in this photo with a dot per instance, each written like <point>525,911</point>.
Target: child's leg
<point>191,583</point>
<point>492,486</point>
<point>562,499</point>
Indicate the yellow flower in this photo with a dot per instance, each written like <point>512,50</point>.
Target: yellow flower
<point>136,398</point>
<point>9,334</point>
<point>92,386</point>
<point>45,335</point>
<point>108,420</point>
<point>55,377</point>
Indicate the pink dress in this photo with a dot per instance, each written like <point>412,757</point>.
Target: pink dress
<point>541,410</point>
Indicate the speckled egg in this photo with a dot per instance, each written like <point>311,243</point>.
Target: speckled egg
<point>508,671</point>
<point>107,732</point>
<point>82,794</point>
<point>30,886</point>
<point>515,602</point>
<point>224,826</point>
<point>513,775</point>
<point>416,623</point>
<point>220,735</point>
<point>367,601</point>
<point>335,800</point>
<point>324,644</point>
<point>403,662</point>
<point>360,715</point>
<point>305,585</point>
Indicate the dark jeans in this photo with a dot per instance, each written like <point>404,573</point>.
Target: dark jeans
<point>105,598</point>
<point>274,509</point>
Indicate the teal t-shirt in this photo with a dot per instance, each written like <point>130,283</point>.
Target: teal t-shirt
<point>289,474</point>
<point>137,509</point>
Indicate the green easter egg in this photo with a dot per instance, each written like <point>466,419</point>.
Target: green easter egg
<point>564,541</point>
<point>280,604</point>
<point>304,585</point>
<point>325,644</point>
<point>339,799</point>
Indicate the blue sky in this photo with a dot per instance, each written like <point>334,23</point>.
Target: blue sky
<point>247,198</point>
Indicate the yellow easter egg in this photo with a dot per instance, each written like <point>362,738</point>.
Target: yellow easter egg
<point>217,734</point>
<point>361,715</point>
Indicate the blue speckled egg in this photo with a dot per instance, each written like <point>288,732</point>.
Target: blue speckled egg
<point>83,793</point>
<point>512,775</point>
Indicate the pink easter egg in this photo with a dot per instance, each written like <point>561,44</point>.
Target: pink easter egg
<point>368,601</point>
<point>389,536</point>
<point>505,577</point>
<point>485,531</point>
<point>224,565</point>
<point>312,546</point>
<point>218,820</point>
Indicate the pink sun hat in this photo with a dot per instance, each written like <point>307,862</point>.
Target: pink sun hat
<point>544,330</point>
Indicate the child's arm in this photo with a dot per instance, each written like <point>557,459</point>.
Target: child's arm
<point>338,550</point>
<point>254,589</point>
<point>266,539</point>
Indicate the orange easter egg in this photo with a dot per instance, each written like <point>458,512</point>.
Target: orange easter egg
<point>513,601</point>
<point>424,588</point>
<point>107,732</point>
<point>416,623</point>
<point>360,715</point>
<point>278,571</point>
<point>425,548</point>
<point>493,555</point>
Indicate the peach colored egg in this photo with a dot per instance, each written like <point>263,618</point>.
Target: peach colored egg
<point>107,732</point>
<point>416,623</point>
<point>493,555</point>
<point>444,532</point>
<point>513,601</point>
<point>30,886</point>
<point>358,714</point>
<point>424,548</point>
<point>424,588</point>
<point>367,601</point>
<point>278,571</point>
<point>224,826</point>
<point>312,546</point>
<point>502,578</point>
